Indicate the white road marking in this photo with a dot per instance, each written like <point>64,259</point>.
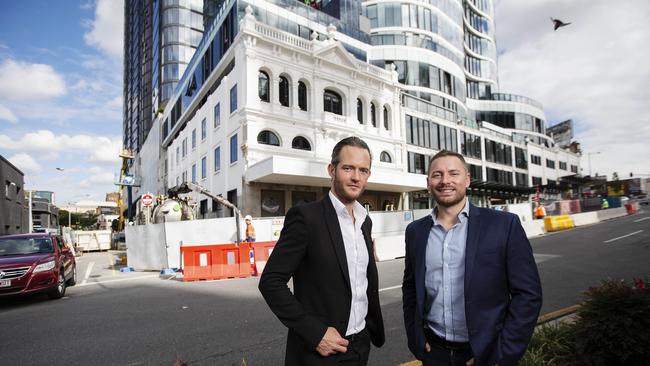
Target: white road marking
<point>389,288</point>
<point>88,270</point>
<point>539,258</point>
<point>642,219</point>
<point>119,280</point>
<point>621,237</point>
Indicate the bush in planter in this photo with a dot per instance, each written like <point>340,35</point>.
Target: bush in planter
<point>613,326</point>
<point>550,346</point>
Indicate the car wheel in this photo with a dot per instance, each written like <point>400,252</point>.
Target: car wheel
<point>73,280</point>
<point>59,290</point>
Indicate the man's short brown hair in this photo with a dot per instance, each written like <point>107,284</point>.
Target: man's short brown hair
<point>444,153</point>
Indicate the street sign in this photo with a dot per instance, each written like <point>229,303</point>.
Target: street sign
<point>147,199</point>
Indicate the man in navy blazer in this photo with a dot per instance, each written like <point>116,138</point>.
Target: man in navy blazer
<point>471,290</point>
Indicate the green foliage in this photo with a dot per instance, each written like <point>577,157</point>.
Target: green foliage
<point>614,325</point>
<point>550,346</point>
<point>611,330</point>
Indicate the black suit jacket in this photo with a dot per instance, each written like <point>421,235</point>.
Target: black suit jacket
<point>311,250</point>
<point>503,294</point>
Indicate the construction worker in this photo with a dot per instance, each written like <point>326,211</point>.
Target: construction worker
<point>250,229</point>
<point>540,212</point>
<point>605,204</point>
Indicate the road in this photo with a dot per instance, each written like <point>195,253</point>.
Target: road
<point>139,318</point>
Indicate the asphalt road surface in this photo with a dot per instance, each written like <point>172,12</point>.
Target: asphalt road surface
<point>113,318</point>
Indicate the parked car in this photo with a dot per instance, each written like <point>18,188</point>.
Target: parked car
<point>38,262</point>
<point>642,199</point>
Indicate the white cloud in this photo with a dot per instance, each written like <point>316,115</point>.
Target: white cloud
<point>106,31</point>
<point>25,163</point>
<point>99,149</point>
<point>23,81</point>
<point>103,178</point>
<point>7,115</point>
<point>594,71</point>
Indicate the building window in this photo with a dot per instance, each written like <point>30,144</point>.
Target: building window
<point>204,128</point>
<point>537,181</point>
<point>233,99</point>
<point>302,95</point>
<point>521,179</point>
<point>385,157</point>
<point>268,138</point>
<point>535,159</point>
<point>386,118</point>
<point>283,94</point>
<point>550,163</point>
<point>520,159</point>
<point>233,148</point>
<point>217,159</point>
<point>563,165</point>
<point>417,163</point>
<point>204,167</point>
<point>498,176</point>
<point>217,115</point>
<point>499,153</point>
<point>263,89</point>
<point>332,102</point>
<point>574,169</point>
<point>193,173</point>
<point>359,111</point>
<point>373,115</point>
<point>184,146</point>
<point>300,143</point>
<point>193,139</point>
<point>203,207</point>
<point>470,145</point>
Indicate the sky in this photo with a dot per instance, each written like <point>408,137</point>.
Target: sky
<point>61,84</point>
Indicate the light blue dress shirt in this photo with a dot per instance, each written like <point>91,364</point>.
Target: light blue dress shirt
<point>444,278</point>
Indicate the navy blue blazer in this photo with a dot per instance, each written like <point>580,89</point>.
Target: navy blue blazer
<point>503,293</point>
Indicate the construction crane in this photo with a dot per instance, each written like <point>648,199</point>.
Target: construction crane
<point>187,187</point>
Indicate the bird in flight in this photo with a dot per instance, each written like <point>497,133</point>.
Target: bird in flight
<point>60,169</point>
<point>557,23</point>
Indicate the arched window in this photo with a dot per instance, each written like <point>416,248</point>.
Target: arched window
<point>386,120</point>
<point>385,157</point>
<point>284,91</point>
<point>332,102</point>
<point>373,115</point>
<point>263,86</point>
<point>302,96</point>
<point>359,111</point>
<point>300,143</point>
<point>268,138</point>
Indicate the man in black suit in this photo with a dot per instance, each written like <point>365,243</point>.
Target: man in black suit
<point>333,313</point>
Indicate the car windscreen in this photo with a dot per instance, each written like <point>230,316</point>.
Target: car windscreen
<point>22,246</point>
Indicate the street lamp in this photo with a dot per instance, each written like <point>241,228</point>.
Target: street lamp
<point>589,158</point>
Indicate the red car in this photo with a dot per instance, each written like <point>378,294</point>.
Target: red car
<point>32,263</point>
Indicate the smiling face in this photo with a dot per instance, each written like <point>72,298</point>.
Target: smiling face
<point>350,175</point>
<point>448,181</point>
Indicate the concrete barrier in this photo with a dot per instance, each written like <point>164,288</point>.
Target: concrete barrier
<point>533,228</point>
<point>389,247</point>
<point>585,218</point>
<point>611,213</point>
<point>557,223</point>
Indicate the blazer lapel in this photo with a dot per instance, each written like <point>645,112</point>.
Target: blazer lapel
<point>332,221</point>
<point>473,232</point>
<point>420,255</point>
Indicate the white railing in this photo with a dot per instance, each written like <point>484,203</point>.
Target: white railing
<point>282,36</point>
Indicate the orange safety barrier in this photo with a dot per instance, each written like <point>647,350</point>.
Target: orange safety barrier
<point>631,207</point>
<point>214,262</point>
<point>262,250</point>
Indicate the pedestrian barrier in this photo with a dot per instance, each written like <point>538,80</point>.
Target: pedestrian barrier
<point>262,251</point>
<point>557,223</point>
<point>631,207</point>
<point>214,262</point>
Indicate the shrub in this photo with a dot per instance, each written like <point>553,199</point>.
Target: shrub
<point>549,346</point>
<point>613,325</point>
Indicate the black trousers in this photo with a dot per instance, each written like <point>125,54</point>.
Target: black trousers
<point>358,350</point>
<point>445,353</point>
